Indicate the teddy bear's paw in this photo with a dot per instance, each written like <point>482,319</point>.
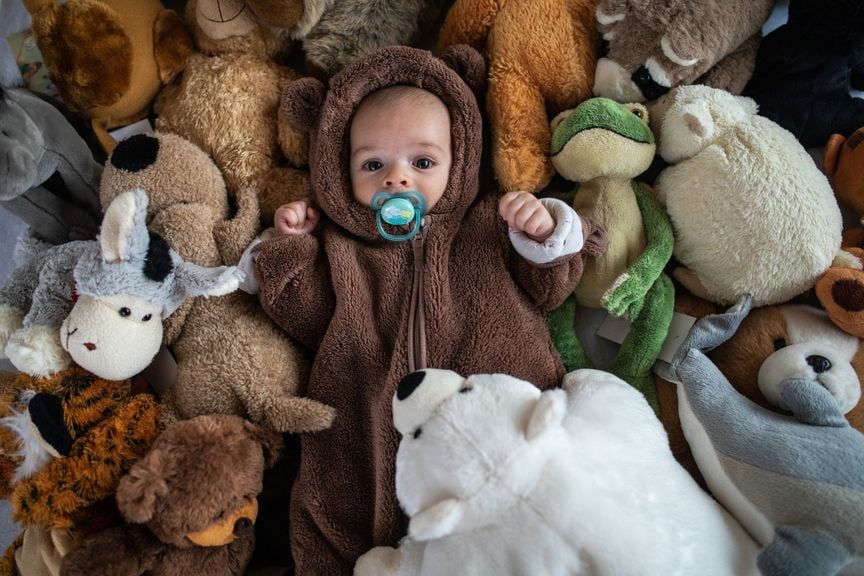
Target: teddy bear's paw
<point>11,319</point>
<point>36,351</point>
<point>298,415</point>
<point>380,561</point>
<point>522,168</point>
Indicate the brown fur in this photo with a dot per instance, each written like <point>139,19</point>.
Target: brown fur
<point>541,61</point>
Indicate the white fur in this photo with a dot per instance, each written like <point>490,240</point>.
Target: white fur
<point>36,350</point>
<point>658,73</point>
<point>607,19</point>
<point>611,80</point>
<point>593,489</point>
<point>11,319</point>
<point>671,55</point>
<point>117,226</point>
<point>751,211</point>
<point>32,450</point>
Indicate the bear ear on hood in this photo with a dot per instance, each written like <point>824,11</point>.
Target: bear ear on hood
<point>468,63</point>
<point>301,103</point>
<point>139,490</point>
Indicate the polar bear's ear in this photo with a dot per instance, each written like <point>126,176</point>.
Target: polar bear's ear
<point>548,412</point>
<point>697,118</point>
<point>436,521</point>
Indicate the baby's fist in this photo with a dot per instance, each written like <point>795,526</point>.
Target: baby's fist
<point>525,213</point>
<point>296,218</point>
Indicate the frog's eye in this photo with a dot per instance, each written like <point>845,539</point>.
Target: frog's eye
<point>637,112</point>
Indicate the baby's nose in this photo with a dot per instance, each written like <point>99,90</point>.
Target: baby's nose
<point>397,178</point>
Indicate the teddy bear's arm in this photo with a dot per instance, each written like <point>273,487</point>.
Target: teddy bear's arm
<point>126,550</point>
<point>296,290</point>
<point>172,44</point>
<point>548,286</point>
<point>234,235</point>
<point>468,22</point>
<point>90,472</point>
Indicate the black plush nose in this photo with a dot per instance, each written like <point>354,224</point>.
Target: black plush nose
<point>649,87</point>
<point>409,383</point>
<point>135,153</point>
<point>242,525</point>
<point>819,364</point>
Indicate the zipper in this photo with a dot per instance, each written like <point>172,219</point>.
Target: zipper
<point>417,311</point>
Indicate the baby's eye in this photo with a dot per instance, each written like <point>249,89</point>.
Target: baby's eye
<point>424,163</point>
<point>372,165</point>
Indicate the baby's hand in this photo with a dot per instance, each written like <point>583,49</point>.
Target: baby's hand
<point>525,213</point>
<point>296,218</point>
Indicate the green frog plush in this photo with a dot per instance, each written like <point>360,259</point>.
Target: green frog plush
<point>603,145</point>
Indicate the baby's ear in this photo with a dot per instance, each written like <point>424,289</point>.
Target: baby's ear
<point>831,153</point>
<point>468,63</point>
<point>301,103</point>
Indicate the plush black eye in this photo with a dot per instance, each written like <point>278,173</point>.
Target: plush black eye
<point>465,389</point>
<point>147,317</point>
<point>779,343</point>
<point>125,312</point>
<point>417,433</point>
<point>637,112</point>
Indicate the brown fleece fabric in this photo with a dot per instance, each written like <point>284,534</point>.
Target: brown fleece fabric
<point>347,293</point>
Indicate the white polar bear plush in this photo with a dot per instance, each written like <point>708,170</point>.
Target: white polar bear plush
<point>498,478</point>
<point>751,211</point>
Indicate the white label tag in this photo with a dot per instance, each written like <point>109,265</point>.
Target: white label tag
<point>140,127</point>
<point>616,329</point>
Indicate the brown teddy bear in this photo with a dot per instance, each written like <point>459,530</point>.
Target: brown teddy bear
<point>541,62</point>
<point>190,503</point>
<point>225,102</point>
<point>109,58</point>
<point>231,358</point>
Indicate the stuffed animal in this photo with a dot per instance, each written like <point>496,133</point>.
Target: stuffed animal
<point>102,301</point>
<point>35,143</point>
<point>109,58</point>
<point>655,45</point>
<point>226,100</point>
<point>541,59</point>
<point>603,146</point>
<point>794,480</point>
<point>735,192</point>
<point>190,504</point>
<point>806,67</point>
<point>499,478</point>
<point>231,358</point>
<point>14,19</point>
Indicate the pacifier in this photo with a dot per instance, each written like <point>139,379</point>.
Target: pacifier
<point>398,209</point>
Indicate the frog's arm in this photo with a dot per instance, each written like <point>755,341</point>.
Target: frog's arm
<point>630,289</point>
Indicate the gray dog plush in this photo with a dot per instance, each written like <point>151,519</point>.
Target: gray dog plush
<point>102,302</point>
<point>796,480</point>
<point>36,142</point>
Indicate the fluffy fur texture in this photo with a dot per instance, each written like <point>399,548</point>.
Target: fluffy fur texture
<point>231,358</point>
<point>102,296</point>
<point>805,69</point>
<point>735,195</point>
<point>347,292</point>
<point>794,480</point>
<point>225,102</point>
<point>655,45</point>
<point>37,142</point>
<point>541,59</point>
<point>197,474</point>
<point>109,58</point>
<point>500,479</point>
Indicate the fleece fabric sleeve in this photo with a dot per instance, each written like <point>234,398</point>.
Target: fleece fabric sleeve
<point>295,289</point>
<point>549,271</point>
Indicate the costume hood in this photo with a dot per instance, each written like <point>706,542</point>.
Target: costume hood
<point>326,114</point>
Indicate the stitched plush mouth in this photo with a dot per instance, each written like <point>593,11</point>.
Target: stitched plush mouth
<point>222,18</point>
<point>69,335</point>
<point>90,346</point>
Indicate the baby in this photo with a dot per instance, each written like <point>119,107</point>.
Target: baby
<point>457,293</point>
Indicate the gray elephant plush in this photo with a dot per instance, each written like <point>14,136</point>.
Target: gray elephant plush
<point>36,142</point>
<point>100,303</point>
<point>795,480</point>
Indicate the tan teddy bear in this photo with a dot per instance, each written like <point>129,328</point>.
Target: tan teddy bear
<point>226,100</point>
<point>541,58</point>
<point>231,358</point>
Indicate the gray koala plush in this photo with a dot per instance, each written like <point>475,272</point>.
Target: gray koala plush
<point>100,302</point>
<point>36,141</point>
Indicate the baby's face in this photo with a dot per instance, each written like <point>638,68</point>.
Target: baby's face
<point>401,147</point>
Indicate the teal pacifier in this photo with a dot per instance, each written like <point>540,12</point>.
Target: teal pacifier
<point>398,209</point>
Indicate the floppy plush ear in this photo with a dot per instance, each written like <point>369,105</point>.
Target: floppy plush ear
<point>193,280</point>
<point>301,103</point>
<point>124,229</point>
<point>468,63</point>
<point>173,44</point>
<point>436,521</point>
<point>271,442</point>
<point>697,118</point>
<point>138,491</point>
<point>548,412</point>
<point>832,153</point>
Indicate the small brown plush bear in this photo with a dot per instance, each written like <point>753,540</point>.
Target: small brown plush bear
<point>191,503</point>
